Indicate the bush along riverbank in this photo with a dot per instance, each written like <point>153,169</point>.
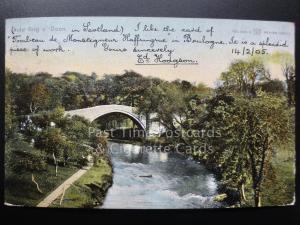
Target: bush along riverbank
<point>229,195</point>
<point>90,190</point>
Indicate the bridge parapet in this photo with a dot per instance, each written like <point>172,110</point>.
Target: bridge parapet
<point>95,112</point>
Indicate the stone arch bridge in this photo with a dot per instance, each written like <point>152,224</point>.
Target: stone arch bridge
<point>95,112</point>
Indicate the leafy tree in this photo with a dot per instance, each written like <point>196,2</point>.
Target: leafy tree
<point>72,99</point>
<point>69,151</point>
<point>171,110</point>
<point>250,130</point>
<point>32,125</point>
<point>107,88</point>
<point>132,86</point>
<point>222,152</point>
<point>10,123</point>
<point>266,122</point>
<point>20,92</point>
<point>80,91</point>
<point>287,62</point>
<point>57,88</point>
<point>39,97</point>
<point>53,142</point>
<point>243,76</point>
<point>149,102</point>
<point>77,129</point>
<point>272,87</point>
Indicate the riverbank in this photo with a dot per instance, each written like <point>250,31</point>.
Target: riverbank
<point>89,190</point>
<point>20,190</point>
<point>64,186</point>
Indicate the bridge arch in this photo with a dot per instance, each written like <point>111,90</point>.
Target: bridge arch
<point>92,113</point>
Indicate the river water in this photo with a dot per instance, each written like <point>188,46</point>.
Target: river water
<point>176,182</point>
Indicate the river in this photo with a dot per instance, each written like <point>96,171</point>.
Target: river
<point>176,182</point>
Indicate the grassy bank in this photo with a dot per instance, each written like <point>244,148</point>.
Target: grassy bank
<point>90,189</point>
<point>278,188</point>
<point>20,190</point>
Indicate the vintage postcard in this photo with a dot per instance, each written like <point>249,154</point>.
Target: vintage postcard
<point>149,113</point>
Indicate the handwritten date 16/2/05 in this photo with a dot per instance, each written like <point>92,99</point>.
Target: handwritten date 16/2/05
<point>249,51</point>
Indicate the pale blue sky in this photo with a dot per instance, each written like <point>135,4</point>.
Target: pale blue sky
<point>86,59</point>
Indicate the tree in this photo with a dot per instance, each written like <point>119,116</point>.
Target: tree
<point>20,93</point>
<point>40,97</point>
<point>149,102</point>
<point>287,62</point>
<point>132,86</point>
<point>108,88</point>
<point>171,106</point>
<point>10,125</point>
<point>58,88</point>
<point>69,149</point>
<point>53,142</point>
<point>81,90</point>
<point>223,153</point>
<point>290,77</point>
<point>266,122</point>
<point>275,87</point>
<point>250,128</point>
<point>242,76</point>
<point>77,129</point>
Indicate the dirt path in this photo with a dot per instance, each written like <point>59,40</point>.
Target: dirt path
<point>63,187</point>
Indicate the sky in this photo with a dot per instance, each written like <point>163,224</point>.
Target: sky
<point>84,58</point>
